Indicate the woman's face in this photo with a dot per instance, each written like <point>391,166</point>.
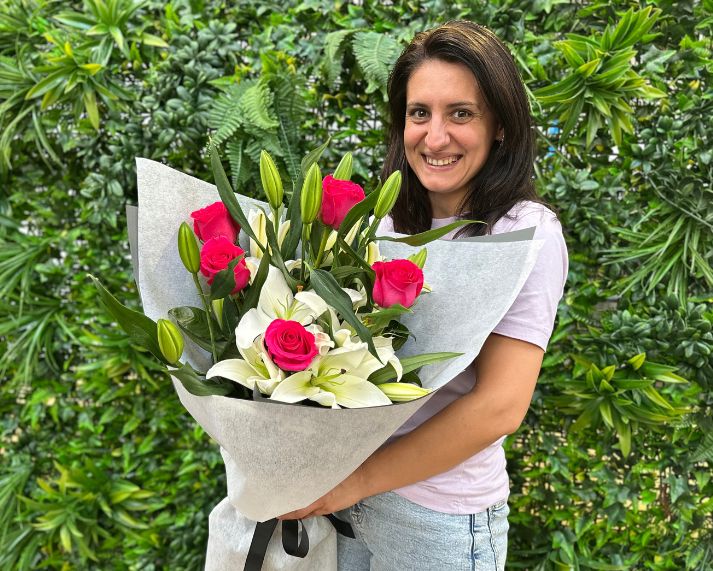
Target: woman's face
<point>449,131</point>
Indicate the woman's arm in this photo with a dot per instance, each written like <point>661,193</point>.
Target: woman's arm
<point>506,373</point>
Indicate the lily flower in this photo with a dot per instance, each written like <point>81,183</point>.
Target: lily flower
<point>278,302</point>
<point>255,368</point>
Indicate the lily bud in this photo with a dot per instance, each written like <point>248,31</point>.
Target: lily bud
<point>170,341</point>
<point>344,169</point>
<point>388,195</point>
<point>311,197</point>
<point>271,181</point>
<point>419,258</point>
<point>217,305</point>
<point>188,249</point>
<point>403,392</point>
<point>372,253</point>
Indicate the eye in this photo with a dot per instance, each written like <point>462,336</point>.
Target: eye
<point>462,114</point>
<point>417,114</point>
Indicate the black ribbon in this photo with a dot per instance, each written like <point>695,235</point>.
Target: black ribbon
<point>291,541</point>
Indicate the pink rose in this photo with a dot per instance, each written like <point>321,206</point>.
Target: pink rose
<point>338,197</point>
<point>397,281</point>
<point>214,220</point>
<point>290,345</point>
<point>216,254</point>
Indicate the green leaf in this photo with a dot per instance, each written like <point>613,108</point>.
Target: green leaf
<point>224,281</point>
<point>423,238</point>
<point>197,385</point>
<point>253,292</point>
<point>228,196</point>
<point>90,104</point>
<point>151,40</point>
<point>357,212</point>
<point>409,364</point>
<point>142,330</point>
<point>330,291</point>
<point>48,83</point>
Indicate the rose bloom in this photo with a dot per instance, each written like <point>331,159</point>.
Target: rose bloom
<point>214,220</point>
<point>397,281</point>
<point>216,254</point>
<point>338,197</point>
<point>290,345</point>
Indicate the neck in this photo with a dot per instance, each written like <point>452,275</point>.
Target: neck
<point>443,206</point>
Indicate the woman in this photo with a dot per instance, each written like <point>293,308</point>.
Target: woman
<point>435,496</point>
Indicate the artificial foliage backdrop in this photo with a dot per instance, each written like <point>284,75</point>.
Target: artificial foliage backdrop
<point>101,467</point>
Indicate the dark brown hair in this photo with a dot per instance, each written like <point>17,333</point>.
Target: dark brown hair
<point>506,178</point>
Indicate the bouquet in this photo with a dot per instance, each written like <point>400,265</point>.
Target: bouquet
<point>302,303</point>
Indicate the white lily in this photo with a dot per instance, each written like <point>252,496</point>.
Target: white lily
<point>344,338</point>
<point>336,379</point>
<point>277,302</point>
<point>255,368</point>
<point>258,222</point>
<point>332,239</point>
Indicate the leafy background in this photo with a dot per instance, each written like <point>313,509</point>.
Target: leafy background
<point>100,467</point>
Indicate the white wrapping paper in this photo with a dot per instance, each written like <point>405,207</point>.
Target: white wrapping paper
<point>282,457</point>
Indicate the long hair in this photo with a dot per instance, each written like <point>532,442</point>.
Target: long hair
<point>506,178</point>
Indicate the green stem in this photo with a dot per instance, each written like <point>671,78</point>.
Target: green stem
<point>305,247</point>
<point>322,244</point>
<point>206,306</point>
<point>369,236</point>
<point>276,224</point>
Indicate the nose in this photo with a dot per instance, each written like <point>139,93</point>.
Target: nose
<point>437,136</point>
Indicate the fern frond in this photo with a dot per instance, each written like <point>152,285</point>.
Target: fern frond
<point>235,159</point>
<point>376,54</point>
<point>334,54</point>
<point>225,114</point>
<point>256,105</point>
<point>704,453</point>
<point>291,111</point>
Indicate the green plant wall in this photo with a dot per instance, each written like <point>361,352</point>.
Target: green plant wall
<point>101,468</point>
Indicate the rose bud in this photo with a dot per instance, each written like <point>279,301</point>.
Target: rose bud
<point>397,281</point>
<point>216,255</point>
<point>344,168</point>
<point>388,195</point>
<point>170,341</point>
<point>403,392</point>
<point>271,181</point>
<point>214,220</point>
<point>290,345</point>
<point>188,249</point>
<point>311,196</point>
<point>337,199</point>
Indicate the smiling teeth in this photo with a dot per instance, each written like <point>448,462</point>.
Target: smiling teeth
<point>442,162</point>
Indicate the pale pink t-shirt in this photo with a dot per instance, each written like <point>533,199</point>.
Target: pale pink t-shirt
<point>482,480</point>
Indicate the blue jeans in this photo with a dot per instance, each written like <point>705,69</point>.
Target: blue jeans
<point>394,534</point>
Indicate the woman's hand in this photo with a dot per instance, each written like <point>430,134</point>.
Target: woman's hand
<point>344,495</point>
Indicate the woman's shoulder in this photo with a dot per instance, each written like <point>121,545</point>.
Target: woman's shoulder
<point>526,214</point>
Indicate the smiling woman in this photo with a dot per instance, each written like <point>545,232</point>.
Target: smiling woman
<point>435,496</point>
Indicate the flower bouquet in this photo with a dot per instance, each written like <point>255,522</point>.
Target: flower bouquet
<point>301,303</point>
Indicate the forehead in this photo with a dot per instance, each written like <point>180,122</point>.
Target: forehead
<point>436,80</point>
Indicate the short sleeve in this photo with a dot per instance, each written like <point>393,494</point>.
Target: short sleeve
<point>531,317</point>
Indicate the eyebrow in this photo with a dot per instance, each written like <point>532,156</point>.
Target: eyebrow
<point>450,105</point>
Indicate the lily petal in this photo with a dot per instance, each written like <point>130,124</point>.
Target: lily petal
<point>250,327</point>
<point>235,370</point>
<point>354,392</point>
<point>276,296</point>
<point>295,388</point>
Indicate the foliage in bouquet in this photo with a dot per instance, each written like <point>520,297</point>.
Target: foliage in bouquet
<point>310,310</point>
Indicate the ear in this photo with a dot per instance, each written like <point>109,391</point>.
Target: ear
<point>500,134</point>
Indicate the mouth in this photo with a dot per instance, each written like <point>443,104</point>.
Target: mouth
<point>444,162</point>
